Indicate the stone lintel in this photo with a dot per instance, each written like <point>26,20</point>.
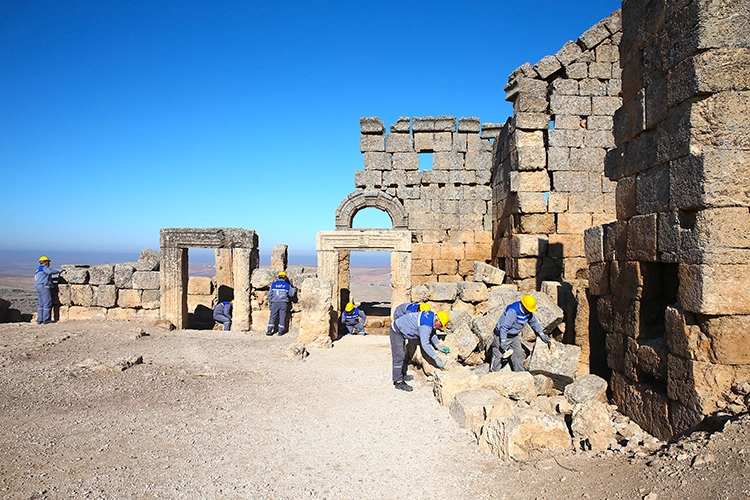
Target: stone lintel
<point>213,237</point>
<point>366,239</point>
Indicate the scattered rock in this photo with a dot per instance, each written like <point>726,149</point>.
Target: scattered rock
<point>297,351</point>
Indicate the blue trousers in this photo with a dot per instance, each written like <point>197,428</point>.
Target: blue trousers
<point>226,320</point>
<point>278,316</point>
<point>44,309</point>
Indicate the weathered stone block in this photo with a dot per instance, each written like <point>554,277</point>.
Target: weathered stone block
<point>559,362</point>
<point>532,203</point>
<point>558,159</point>
<point>594,35</point>
<point>81,295</point>
<point>589,158</point>
<point>368,143</point>
<point>518,386</point>
<point>371,125</point>
<point>129,298</point>
<point>715,289</point>
<point>405,161</point>
<point>537,223</point>
<point>478,160</point>
<point>399,143</point>
<point>368,179</point>
<point>377,161</point>
<point>566,138</point>
<point>472,291</point>
<point>148,260</point>
<point>102,275</point>
<point>433,142</point>
<point>571,181</point>
<point>593,242</point>
<point>573,223</point>
<point>645,405</point>
<point>451,381</point>
<point>124,275</point>
<point>76,275</point>
<point>470,408</point>
<point>587,388</point>
<point>87,313</point>
<point>642,234</point>
<point>488,274</point>
<point>461,340</point>
<point>104,296</point>
<point>200,285</point>
<point>442,292</point>
<point>599,278</point>
<point>625,198</point>
<point>529,181</point>
<point>532,121</point>
<point>146,280</point>
<point>698,385</point>
<point>570,105</point>
<point>713,178</point>
<point>150,299</point>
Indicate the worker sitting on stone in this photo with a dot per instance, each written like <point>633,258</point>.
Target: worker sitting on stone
<point>507,341</point>
<point>413,326</point>
<point>223,313</point>
<point>410,307</point>
<point>353,318</point>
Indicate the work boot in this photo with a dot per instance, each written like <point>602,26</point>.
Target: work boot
<point>269,332</point>
<point>403,386</point>
<point>281,332</point>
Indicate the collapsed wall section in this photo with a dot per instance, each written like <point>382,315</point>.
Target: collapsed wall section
<point>548,161</point>
<point>671,275</point>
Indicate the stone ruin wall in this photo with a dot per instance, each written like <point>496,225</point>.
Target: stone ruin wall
<point>671,277</point>
<point>548,162</point>
<point>446,208</point>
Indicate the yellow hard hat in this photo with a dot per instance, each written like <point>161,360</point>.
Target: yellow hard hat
<point>443,317</point>
<point>44,258</point>
<point>529,303</point>
<point>282,274</point>
<point>349,307</point>
<point>424,306</point>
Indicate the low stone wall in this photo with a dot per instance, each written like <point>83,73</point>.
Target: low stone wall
<point>261,281</point>
<point>110,291</point>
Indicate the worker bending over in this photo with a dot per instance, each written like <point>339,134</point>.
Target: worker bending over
<point>507,341</point>
<point>413,326</point>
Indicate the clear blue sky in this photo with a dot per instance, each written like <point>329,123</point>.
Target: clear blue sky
<point>119,118</point>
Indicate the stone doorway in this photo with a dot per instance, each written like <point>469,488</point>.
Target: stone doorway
<point>236,258</point>
<point>334,253</point>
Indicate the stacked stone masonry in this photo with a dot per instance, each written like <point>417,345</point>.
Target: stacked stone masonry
<point>548,180</point>
<point>447,208</point>
<point>671,275</point>
<point>125,291</point>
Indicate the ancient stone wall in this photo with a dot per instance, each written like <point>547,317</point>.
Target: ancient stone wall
<point>125,291</point>
<point>446,207</point>
<point>671,275</point>
<point>548,161</point>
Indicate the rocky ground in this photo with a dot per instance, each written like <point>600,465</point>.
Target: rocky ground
<point>126,410</point>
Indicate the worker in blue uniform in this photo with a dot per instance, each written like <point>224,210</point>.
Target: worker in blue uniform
<point>410,307</point>
<point>411,326</point>
<point>223,313</point>
<point>353,318</point>
<point>280,294</point>
<point>507,341</point>
<point>44,286</point>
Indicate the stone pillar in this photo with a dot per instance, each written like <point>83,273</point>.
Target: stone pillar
<point>174,276</point>
<point>342,290</point>
<point>279,257</point>
<point>243,268</point>
<point>315,303</point>
<point>224,278</point>
<point>328,268</point>
<point>400,279</point>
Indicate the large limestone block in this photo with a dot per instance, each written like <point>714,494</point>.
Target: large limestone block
<point>150,299</point>
<point>529,181</point>
<point>449,382</point>
<point>76,275</point>
<point>148,261</point>
<point>652,358</point>
<point>124,275</point>
<point>730,344</point>
<point>501,297</point>
<point>528,245</point>
<point>492,438</point>
<point>715,289</point>
<point>146,280</point>
<point>399,143</point>
<point>316,307</point>
<point>81,295</point>
<point>483,328</point>
<point>84,313</point>
<point>369,143</point>
<point>259,319</point>
<point>644,404</point>
<point>104,296</point>
<point>443,292</point>
<point>591,426</point>
<point>530,432</point>
<point>488,274</point>
<point>119,314</point>
<point>559,362</point>
<point>518,386</point>
<point>102,275</point>
<point>699,385</point>
<point>371,125</point>
<point>593,242</point>
<point>472,291</point>
<point>129,298</point>
<point>470,409</point>
<point>587,388</point>
<point>461,341</point>
<point>200,285</point>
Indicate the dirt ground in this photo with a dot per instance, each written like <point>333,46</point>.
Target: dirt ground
<point>212,414</point>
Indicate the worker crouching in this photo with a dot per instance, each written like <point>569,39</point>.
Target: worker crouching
<point>506,344</point>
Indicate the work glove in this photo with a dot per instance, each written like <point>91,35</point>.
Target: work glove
<point>444,350</point>
<point>440,363</point>
<point>504,344</point>
<point>545,338</point>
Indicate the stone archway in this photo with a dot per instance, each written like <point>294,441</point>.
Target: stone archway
<point>370,198</point>
<point>332,244</point>
<point>174,243</point>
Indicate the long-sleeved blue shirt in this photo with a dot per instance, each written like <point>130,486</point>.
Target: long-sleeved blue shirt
<point>513,320</point>
<point>353,317</point>
<point>419,325</point>
<point>281,291</point>
<point>409,307</point>
<point>223,309</point>
<point>43,275</point>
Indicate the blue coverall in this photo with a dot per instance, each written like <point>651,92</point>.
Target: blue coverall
<point>223,314</point>
<point>409,307</point>
<point>508,328</point>
<point>279,295</point>
<point>411,326</point>
<point>44,285</point>
<point>354,320</point>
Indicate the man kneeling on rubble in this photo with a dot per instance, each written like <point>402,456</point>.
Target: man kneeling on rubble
<point>507,341</point>
<point>412,326</point>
